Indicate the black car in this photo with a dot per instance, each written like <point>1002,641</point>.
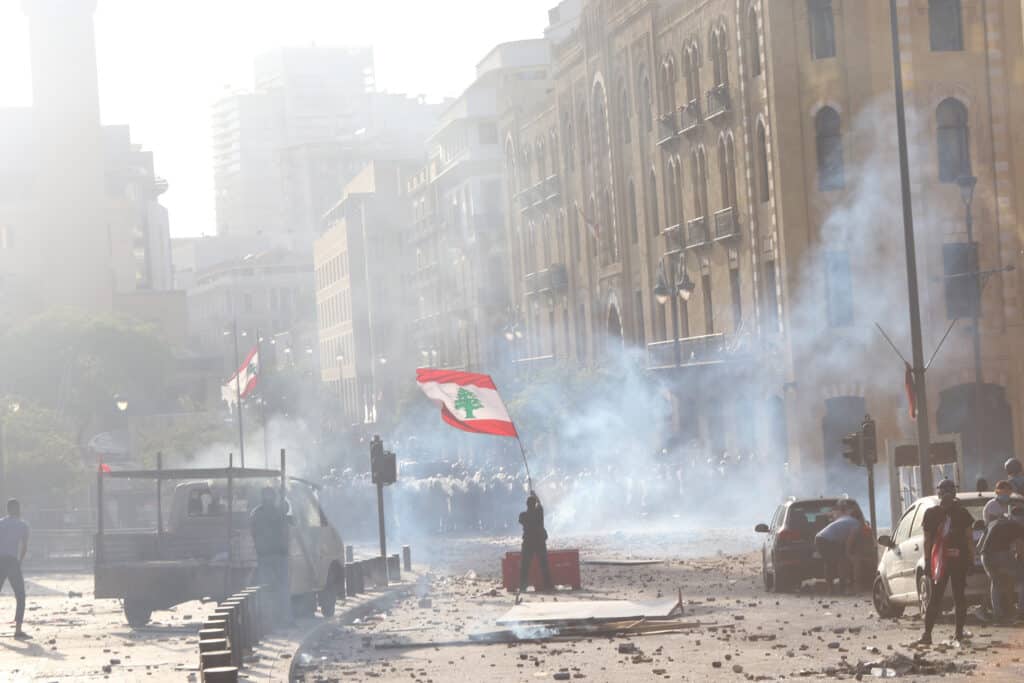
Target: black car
<point>788,558</point>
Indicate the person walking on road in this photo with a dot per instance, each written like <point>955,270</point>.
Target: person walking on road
<point>535,539</point>
<point>948,555</point>
<point>996,548</point>
<point>270,535</point>
<point>13,546</point>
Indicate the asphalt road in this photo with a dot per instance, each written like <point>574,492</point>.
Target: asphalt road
<point>744,633</point>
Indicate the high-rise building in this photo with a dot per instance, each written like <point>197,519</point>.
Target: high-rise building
<point>724,173</point>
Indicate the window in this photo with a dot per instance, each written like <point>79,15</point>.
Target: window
<point>644,104</point>
<point>753,43</point>
<point>737,299</point>
<point>762,164</point>
<point>626,114</point>
<point>569,148</point>
<point>668,86</point>
<point>634,230</point>
<point>700,183</point>
<point>945,26</point>
<point>719,62</point>
<point>953,146</point>
<point>838,289</point>
<point>823,30</point>
<point>542,161</point>
<point>902,532</point>
<point>652,204</point>
<point>673,193</point>
<point>684,319</point>
<point>692,68</point>
<point>771,298</point>
<point>830,150</point>
<point>709,311</point>
<point>638,306</point>
<point>727,171</point>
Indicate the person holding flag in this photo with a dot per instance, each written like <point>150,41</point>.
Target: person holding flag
<point>948,555</point>
<point>535,544</point>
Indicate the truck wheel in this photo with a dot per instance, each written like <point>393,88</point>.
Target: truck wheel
<point>137,612</point>
<point>880,598</point>
<point>327,599</point>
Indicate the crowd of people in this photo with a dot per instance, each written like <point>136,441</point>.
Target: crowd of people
<point>455,497</point>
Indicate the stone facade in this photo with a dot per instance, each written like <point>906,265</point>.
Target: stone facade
<point>743,152</point>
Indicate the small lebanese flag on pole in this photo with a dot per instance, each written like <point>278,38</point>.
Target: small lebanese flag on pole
<point>246,377</point>
<point>468,401</point>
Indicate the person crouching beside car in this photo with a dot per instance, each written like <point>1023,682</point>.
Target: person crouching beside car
<point>832,543</point>
<point>997,558</point>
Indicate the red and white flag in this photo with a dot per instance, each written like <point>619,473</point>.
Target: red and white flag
<point>246,377</point>
<point>468,401</point>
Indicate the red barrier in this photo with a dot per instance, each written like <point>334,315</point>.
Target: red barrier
<point>564,564</point>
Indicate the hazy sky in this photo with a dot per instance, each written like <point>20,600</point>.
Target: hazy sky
<point>161,64</point>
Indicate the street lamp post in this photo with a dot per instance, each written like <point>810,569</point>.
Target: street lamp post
<point>674,286</point>
<point>967,185</point>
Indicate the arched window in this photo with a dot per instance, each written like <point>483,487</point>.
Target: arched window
<point>625,114</point>
<point>823,30</point>
<point>600,122</point>
<point>652,204</point>
<point>609,236</point>
<point>830,149</point>
<point>953,144</point>
<point>764,191</point>
<point>945,25</point>
<point>531,247</point>
<point>553,150</point>
<point>700,182</point>
<point>542,161</point>
<point>691,65</point>
<point>561,256</point>
<point>753,42</point>
<point>719,61</point>
<point>545,242</point>
<point>525,168</point>
<point>644,102</point>
<point>593,227</point>
<point>670,191</point>
<point>727,171</point>
<point>668,86</point>
<point>634,219</point>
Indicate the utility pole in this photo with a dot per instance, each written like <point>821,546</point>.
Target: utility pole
<point>923,433</point>
<point>238,393</point>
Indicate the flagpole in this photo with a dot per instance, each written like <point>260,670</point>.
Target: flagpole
<point>522,450</point>
<point>238,394</point>
<point>263,399</point>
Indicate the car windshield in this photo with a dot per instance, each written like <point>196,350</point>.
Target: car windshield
<point>810,517</point>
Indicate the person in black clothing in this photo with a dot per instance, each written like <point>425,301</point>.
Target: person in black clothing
<point>948,536</point>
<point>997,558</point>
<point>535,539</point>
<point>270,535</point>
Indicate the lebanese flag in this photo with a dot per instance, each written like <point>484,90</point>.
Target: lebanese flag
<point>939,548</point>
<point>246,377</point>
<point>468,401</point>
<point>908,385</point>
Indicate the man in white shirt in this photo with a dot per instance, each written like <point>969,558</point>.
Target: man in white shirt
<point>1000,505</point>
<point>13,546</point>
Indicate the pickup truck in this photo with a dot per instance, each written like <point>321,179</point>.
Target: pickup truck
<point>204,550</point>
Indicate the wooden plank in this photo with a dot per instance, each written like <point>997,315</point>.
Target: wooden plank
<point>564,612</point>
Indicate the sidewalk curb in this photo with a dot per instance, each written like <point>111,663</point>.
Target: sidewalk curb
<point>284,668</point>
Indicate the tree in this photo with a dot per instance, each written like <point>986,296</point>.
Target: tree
<point>467,401</point>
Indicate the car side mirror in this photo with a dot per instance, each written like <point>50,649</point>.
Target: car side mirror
<point>979,525</point>
<point>762,528</point>
<point>886,542</point>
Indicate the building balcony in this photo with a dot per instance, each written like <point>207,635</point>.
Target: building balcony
<point>535,364</point>
<point>667,127</point>
<point>693,351</point>
<point>696,232</point>
<point>673,237</point>
<point>718,102</point>
<point>727,224</point>
<point>689,117</point>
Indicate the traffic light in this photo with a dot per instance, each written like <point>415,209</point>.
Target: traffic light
<point>868,441</point>
<point>383,464</point>
<point>852,449</point>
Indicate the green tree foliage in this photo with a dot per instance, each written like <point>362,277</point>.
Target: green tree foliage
<point>41,460</point>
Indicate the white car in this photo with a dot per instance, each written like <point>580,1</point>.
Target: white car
<point>901,579</point>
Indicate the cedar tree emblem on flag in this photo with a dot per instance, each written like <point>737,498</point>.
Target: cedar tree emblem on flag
<point>468,401</point>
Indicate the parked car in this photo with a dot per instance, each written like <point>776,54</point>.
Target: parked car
<point>787,557</point>
<point>901,579</point>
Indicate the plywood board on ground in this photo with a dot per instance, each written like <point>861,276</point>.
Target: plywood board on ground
<point>570,611</point>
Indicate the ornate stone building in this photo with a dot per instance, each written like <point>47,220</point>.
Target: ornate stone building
<point>724,171</point>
